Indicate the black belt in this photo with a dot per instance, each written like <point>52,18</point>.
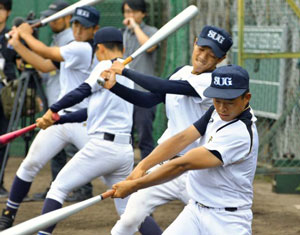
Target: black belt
<point>116,138</point>
<point>108,136</point>
<point>231,209</point>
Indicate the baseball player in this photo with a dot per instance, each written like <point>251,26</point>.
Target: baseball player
<point>220,171</point>
<point>62,35</point>
<point>109,152</point>
<point>76,64</point>
<point>185,103</point>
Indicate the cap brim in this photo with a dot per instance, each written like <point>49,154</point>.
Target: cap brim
<point>82,21</point>
<point>206,42</point>
<point>227,94</point>
<point>47,13</point>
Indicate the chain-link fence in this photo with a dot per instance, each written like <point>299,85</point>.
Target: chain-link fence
<point>272,28</point>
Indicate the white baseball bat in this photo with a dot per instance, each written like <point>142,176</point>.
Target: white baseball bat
<point>66,11</point>
<point>174,24</point>
<point>44,221</point>
<point>182,18</point>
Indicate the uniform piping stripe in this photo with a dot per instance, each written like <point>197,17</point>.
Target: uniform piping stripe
<point>12,204</point>
<point>44,233</point>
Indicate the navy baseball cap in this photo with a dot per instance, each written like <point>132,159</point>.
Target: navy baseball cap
<point>108,34</point>
<point>56,6</point>
<point>219,40</point>
<point>228,82</point>
<point>87,16</point>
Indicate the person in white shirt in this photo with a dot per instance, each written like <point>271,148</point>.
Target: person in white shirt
<point>185,103</point>
<point>76,63</point>
<point>108,152</point>
<point>220,171</point>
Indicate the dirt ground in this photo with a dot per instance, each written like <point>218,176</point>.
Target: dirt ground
<point>273,213</point>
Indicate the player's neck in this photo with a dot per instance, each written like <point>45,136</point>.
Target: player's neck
<point>2,26</point>
<point>110,55</point>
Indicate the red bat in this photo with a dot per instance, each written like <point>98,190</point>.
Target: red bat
<point>6,138</point>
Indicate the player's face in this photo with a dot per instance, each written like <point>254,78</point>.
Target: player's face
<point>138,16</point>
<point>58,25</point>
<point>81,33</point>
<point>3,14</point>
<point>230,109</point>
<point>203,59</point>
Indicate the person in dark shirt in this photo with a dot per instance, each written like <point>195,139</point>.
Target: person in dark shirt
<point>7,73</point>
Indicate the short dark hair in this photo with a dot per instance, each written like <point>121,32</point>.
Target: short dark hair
<point>114,45</point>
<point>139,5</point>
<point>7,4</point>
<point>243,95</point>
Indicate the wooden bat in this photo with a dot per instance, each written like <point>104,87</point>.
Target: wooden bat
<point>44,221</point>
<point>8,137</point>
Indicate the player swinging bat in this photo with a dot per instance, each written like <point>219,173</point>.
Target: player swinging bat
<point>66,11</point>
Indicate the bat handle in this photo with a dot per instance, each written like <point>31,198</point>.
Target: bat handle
<point>101,81</point>
<point>35,25</point>
<point>7,36</point>
<point>127,60</point>
<point>108,193</point>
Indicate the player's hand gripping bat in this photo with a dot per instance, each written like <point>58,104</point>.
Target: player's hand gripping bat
<point>6,138</point>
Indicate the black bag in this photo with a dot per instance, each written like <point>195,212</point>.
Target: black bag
<point>8,95</point>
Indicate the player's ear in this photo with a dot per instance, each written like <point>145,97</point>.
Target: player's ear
<point>196,39</point>
<point>96,27</point>
<point>221,59</point>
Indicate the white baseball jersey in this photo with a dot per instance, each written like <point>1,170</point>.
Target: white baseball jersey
<point>108,105</point>
<point>183,110</point>
<point>113,159</point>
<point>229,185</point>
<point>75,68</point>
<point>51,80</point>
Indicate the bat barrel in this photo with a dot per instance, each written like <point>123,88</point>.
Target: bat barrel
<point>182,18</point>
<point>68,10</point>
<point>4,139</point>
<point>43,221</point>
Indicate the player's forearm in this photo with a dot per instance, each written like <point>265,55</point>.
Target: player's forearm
<point>73,97</point>
<point>160,175</point>
<point>170,148</point>
<point>34,59</point>
<point>159,85</point>
<point>77,116</point>
<point>139,98</point>
<point>36,45</point>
